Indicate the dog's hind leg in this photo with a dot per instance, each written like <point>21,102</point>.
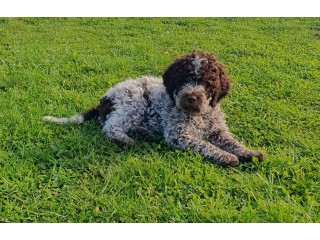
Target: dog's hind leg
<point>119,124</point>
<point>118,136</point>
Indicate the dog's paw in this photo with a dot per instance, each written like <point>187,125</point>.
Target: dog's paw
<point>249,154</point>
<point>226,160</point>
<point>231,160</point>
<point>259,155</point>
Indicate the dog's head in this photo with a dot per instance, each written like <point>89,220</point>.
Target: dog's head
<point>196,82</point>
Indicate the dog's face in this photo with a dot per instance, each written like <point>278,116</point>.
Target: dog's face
<point>196,82</point>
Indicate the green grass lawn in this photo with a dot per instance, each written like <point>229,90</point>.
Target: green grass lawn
<point>70,173</point>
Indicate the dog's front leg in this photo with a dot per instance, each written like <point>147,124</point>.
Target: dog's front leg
<point>206,149</point>
<point>224,140</point>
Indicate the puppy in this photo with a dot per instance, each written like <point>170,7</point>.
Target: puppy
<point>183,105</point>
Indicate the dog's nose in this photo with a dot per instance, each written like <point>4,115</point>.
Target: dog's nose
<point>191,98</point>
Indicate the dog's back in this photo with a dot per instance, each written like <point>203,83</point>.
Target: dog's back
<point>128,97</point>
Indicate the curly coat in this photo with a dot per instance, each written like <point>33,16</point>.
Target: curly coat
<point>184,106</point>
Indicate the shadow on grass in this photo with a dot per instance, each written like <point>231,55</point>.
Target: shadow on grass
<point>79,146</point>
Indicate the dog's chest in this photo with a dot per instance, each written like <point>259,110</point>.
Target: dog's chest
<point>197,125</point>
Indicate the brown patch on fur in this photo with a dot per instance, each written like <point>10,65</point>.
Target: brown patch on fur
<point>212,75</point>
<point>105,107</point>
<point>102,110</point>
<point>90,113</point>
<point>146,92</point>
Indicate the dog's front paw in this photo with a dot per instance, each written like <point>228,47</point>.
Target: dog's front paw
<point>226,160</point>
<point>259,155</point>
<point>247,156</point>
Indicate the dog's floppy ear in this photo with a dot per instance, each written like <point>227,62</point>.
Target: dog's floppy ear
<point>223,83</point>
<point>168,79</point>
<point>176,73</point>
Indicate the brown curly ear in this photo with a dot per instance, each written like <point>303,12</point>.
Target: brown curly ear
<point>177,73</point>
<point>223,78</point>
<point>221,84</point>
<point>168,79</point>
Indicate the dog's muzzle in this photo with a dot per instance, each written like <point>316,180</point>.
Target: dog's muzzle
<point>191,98</point>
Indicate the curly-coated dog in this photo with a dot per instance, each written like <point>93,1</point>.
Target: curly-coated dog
<point>184,106</point>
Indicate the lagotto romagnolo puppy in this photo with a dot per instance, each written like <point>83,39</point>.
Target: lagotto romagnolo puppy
<point>183,105</point>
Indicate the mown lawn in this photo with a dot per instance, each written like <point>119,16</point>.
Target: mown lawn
<point>70,173</point>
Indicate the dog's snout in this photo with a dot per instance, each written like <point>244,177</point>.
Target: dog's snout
<point>191,98</point>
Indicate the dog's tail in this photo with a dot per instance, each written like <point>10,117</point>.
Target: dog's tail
<point>78,118</point>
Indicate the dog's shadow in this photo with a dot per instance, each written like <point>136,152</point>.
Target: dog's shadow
<point>77,147</point>
<point>80,147</point>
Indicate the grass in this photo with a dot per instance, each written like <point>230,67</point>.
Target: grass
<point>70,173</point>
